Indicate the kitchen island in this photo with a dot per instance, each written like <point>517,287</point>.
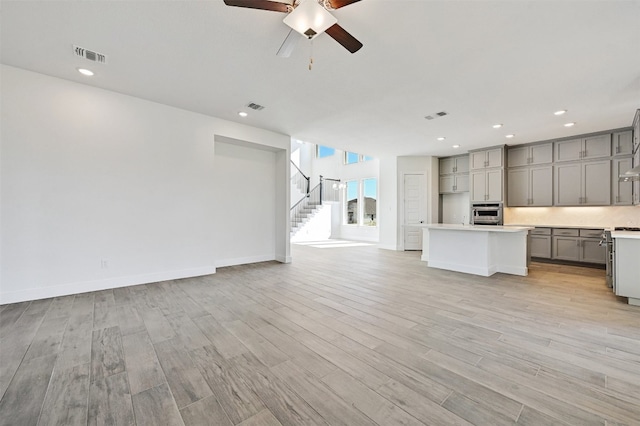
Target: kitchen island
<point>627,265</point>
<point>477,249</point>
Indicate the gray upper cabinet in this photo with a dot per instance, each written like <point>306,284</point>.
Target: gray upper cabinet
<point>530,155</point>
<point>584,148</point>
<point>597,146</point>
<point>530,186</point>
<point>454,174</point>
<point>569,150</point>
<point>450,184</point>
<point>486,159</point>
<point>622,191</point>
<point>450,165</point>
<point>486,186</point>
<point>583,184</point>
<point>623,143</point>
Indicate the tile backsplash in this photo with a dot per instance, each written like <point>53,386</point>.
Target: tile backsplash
<point>601,217</point>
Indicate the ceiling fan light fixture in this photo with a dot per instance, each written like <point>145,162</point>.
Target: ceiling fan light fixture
<point>309,18</point>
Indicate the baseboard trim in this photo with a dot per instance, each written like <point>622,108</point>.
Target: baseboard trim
<point>283,259</point>
<point>244,260</point>
<point>97,285</point>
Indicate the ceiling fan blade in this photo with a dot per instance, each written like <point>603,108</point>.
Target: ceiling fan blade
<point>289,44</point>
<point>259,4</point>
<point>337,4</point>
<point>348,41</point>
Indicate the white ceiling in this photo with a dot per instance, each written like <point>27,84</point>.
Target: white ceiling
<point>484,62</point>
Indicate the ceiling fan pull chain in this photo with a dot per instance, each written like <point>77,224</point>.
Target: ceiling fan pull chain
<point>311,57</point>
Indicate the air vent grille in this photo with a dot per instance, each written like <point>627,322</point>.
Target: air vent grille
<point>255,106</point>
<point>90,55</point>
<point>436,115</point>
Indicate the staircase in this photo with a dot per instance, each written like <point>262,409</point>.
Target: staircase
<point>304,209</point>
<point>311,200</point>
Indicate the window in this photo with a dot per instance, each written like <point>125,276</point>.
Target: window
<point>351,157</point>
<point>367,158</point>
<point>370,201</point>
<point>324,151</point>
<point>352,203</point>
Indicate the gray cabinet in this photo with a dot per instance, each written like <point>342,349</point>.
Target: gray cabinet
<point>530,186</point>
<point>450,165</point>
<point>454,183</point>
<point>623,143</point>
<point>598,146</point>
<point>454,174</point>
<point>566,248</point>
<point>540,243</point>
<point>486,185</point>
<point>583,183</point>
<point>530,155</point>
<point>579,245</point>
<point>486,158</point>
<point>622,192</point>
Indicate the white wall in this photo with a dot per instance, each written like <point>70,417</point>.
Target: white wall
<point>101,190</point>
<point>455,208</point>
<point>388,205</point>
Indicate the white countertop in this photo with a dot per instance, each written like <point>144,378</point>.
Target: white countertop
<point>485,228</point>
<point>626,234</point>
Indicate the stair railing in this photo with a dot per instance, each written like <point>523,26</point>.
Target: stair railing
<point>300,180</point>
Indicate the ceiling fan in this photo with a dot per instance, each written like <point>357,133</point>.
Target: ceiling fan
<point>307,17</point>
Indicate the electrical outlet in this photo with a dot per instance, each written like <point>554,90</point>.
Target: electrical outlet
<point>104,263</point>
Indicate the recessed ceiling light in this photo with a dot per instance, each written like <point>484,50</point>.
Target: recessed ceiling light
<point>497,126</point>
<point>456,146</point>
<point>441,138</point>
<point>509,136</point>
<point>85,71</point>
<point>560,112</point>
<point>569,124</point>
<point>242,114</point>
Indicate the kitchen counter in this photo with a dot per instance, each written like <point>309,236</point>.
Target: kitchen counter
<point>476,249</point>
<point>625,234</point>
<point>478,228</point>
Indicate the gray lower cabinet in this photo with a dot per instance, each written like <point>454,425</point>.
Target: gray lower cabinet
<point>591,251</point>
<point>540,246</point>
<point>622,192</point>
<point>566,248</point>
<point>530,186</point>
<point>578,245</point>
<point>583,183</point>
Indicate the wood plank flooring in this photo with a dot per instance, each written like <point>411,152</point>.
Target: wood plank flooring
<point>342,336</point>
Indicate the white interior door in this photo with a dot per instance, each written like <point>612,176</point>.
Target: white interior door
<point>415,210</point>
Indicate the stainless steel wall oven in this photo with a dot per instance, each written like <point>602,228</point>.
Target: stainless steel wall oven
<point>486,214</point>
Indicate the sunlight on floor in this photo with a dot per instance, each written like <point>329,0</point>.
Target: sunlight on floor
<point>333,244</point>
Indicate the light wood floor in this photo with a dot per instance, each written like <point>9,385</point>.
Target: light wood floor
<point>342,336</point>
